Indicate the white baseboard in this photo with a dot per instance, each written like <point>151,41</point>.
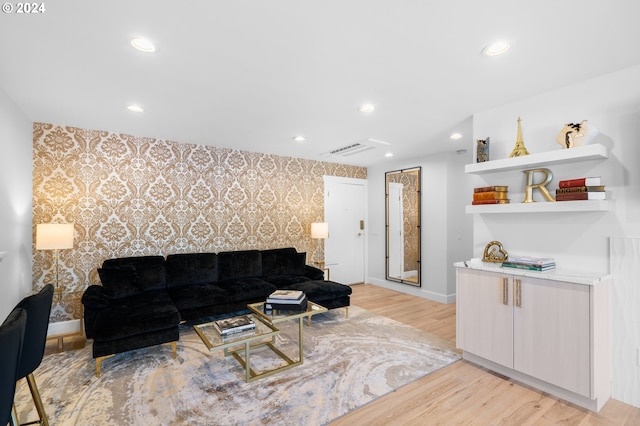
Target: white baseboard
<point>413,290</point>
<point>64,327</point>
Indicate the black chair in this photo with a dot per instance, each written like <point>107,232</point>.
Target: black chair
<point>38,307</point>
<point>11,336</point>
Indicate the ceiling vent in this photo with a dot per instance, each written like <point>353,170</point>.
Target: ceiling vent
<point>356,147</point>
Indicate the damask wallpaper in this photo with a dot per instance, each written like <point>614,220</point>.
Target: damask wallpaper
<point>133,196</point>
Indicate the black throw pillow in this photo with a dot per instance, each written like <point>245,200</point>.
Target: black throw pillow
<point>119,282</point>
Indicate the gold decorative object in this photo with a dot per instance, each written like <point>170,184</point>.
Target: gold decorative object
<point>494,253</point>
<point>519,150</point>
<point>542,186</point>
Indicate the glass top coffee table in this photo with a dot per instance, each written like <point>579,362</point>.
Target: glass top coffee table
<point>273,317</point>
<point>242,342</point>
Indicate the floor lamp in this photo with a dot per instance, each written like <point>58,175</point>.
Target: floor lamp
<point>319,231</point>
<point>56,237</point>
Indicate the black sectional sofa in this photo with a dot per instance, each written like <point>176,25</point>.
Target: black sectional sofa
<point>142,300</point>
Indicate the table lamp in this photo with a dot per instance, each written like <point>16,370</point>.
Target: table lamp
<point>319,231</point>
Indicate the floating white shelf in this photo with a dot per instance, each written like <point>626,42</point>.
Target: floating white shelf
<point>3,254</point>
<point>542,206</point>
<point>587,152</point>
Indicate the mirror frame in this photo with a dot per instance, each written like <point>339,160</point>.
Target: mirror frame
<point>415,255</point>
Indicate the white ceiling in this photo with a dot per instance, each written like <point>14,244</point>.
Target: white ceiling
<point>251,74</point>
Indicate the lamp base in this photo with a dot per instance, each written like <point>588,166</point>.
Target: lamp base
<point>57,293</point>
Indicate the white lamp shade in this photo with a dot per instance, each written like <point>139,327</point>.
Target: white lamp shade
<point>319,230</point>
<point>54,236</point>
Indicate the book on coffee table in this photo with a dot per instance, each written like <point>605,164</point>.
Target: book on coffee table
<point>285,296</point>
<point>234,325</point>
<point>299,305</point>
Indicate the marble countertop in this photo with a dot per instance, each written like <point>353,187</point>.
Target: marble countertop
<point>558,274</point>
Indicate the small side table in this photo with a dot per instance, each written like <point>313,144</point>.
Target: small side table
<point>58,298</point>
<point>322,267</point>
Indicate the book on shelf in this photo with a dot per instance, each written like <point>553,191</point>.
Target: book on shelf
<point>528,267</point>
<point>491,195</point>
<point>286,295</point>
<point>491,188</point>
<point>573,196</point>
<point>594,188</point>
<point>481,202</point>
<point>531,260</point>
<point>233,325</point>
<point>585,181</point>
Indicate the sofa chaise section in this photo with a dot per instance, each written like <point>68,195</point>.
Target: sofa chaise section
<point>132,309</point>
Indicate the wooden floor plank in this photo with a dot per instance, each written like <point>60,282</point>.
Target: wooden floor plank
<point>462,393</point>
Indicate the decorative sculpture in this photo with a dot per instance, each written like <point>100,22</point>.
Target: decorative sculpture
<point>494,253</point>
<point>576,134</point>
<point>519,150</point>
<point>482,150</point>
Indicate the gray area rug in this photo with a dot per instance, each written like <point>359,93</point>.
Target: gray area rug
<point>347,363</point>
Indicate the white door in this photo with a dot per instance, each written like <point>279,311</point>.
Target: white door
<point>345,212</point>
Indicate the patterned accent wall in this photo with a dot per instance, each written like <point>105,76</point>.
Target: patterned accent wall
<point>134,196</point>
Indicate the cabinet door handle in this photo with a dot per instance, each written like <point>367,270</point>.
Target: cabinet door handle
<point>505,291</point>
<point>517,293</point>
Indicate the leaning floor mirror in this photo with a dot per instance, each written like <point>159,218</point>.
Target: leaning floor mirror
<point>403,225</point>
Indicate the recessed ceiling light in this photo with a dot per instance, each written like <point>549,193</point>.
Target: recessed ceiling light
<point>497,48</point>
<point>135,108</point>
<point>143,44</point>
<point>299,138</point>
<point>366,108</point>
<point>389,154</point>
<point>455,136</point>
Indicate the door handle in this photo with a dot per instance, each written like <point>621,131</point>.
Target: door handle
<point>505,291</point>
<point>517,293</point>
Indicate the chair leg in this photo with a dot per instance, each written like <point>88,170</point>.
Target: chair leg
<point>33,387</point>
<point>346,308</point>
<point>13,421</point>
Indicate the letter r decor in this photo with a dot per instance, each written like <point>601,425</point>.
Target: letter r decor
<point>528,198</point>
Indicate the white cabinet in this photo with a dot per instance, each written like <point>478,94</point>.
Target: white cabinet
<point>550,332</point>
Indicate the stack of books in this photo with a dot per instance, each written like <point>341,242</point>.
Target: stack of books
<point>289,300</point>
<point>529,263</point>
<point>490,195</point>
<point>234,325</point>
<point>587,188</point>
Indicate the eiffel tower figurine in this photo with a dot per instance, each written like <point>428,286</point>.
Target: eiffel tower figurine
<point>519,150</point>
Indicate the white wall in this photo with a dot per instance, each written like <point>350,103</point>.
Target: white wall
<point>16,136</point>
<point>576,240</point>
<point>446,230</point>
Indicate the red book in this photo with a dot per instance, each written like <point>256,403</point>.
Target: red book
<point>477,202</point>
<point>571,196</point>
<point>585,181</point>
<point>597,188</point>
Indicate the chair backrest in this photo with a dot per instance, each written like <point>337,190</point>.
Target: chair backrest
<point>38,307</point>
<point>11,335</point>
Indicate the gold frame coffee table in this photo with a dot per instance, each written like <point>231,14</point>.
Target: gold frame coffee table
<point>276,316</point>
<point>243,342</point>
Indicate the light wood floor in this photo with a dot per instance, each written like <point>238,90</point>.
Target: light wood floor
<point>460,393</point>
<point>463,393</point>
